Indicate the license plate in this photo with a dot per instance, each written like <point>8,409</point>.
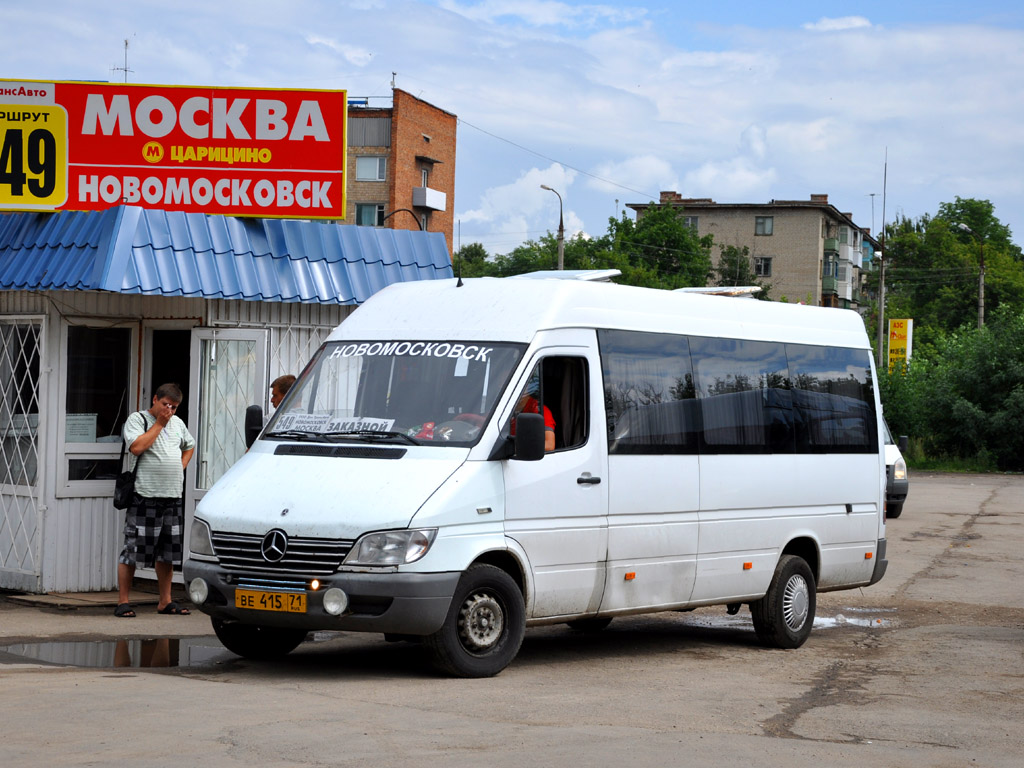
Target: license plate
<point>288,602</point>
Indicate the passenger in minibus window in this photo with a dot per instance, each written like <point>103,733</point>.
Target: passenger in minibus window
<point>529,403</point>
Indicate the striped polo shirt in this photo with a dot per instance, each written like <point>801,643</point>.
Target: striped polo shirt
<point>160,474</point>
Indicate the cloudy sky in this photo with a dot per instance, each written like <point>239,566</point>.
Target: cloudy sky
<point>612,103</point>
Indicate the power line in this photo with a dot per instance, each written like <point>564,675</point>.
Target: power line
<point>559,162</point>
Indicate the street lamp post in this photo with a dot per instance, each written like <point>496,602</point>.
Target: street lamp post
<point>981,273</point>
<point>561,228</point>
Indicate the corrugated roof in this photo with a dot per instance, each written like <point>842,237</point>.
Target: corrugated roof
<point>167,253</point>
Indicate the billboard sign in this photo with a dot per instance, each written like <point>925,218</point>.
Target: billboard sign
<point>901,343</point>
<point>236,151</point>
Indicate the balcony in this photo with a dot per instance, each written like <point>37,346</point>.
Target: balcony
<point>829,285</point>
<point>832,244</point>
<point>425,197</point>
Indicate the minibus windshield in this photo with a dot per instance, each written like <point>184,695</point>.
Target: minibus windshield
<point>412,392</point>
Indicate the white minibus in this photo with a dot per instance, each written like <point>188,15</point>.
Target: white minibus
<point>461,460</point>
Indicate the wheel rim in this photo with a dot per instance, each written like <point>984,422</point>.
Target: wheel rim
<point>796,602</point>
<point>481,622</point>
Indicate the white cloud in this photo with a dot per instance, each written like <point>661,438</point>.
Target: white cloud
<point>355,55</point>
<point>639,172</point>
<point>540,13</point>
<point>825,24</point>
<point>522,210</point>
<point>730,180</point>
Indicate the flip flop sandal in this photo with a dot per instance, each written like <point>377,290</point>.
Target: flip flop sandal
<point>124,611</point>
<point>173,609</point>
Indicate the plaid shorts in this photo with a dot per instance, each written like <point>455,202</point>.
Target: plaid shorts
<point>152,532</point>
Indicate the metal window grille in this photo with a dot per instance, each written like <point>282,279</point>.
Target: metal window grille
<point>20,352</point>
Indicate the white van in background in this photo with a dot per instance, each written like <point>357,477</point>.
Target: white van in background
<point>897,479</point>
<point>702,451</point>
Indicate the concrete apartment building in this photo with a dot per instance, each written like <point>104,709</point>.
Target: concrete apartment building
<point>807,250</point>
<point>401,165</point>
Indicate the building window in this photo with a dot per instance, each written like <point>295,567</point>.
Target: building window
<point>19,401</point>
<point>371,168</point>
<point>763,266</point>
<point>370,214</point>
<point>424,176</point>
<point>691,222</point>
<point>763,225</point>
<point>97,399</point>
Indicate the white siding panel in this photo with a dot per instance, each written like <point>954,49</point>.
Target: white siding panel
<point>83,539</point>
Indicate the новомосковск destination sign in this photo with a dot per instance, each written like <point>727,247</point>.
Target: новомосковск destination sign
<point>237,151</point>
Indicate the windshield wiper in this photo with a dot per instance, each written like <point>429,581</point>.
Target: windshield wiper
<point>373,434</point>
<point>298,434</point>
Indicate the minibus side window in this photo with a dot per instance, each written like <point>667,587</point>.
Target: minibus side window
<point>834,399</point>
<point>563,392</point>
<point>743,388</point>
<point>649,393</point>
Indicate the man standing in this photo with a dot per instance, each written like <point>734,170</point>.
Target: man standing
<point>162,447</point>
<point>279,388</point>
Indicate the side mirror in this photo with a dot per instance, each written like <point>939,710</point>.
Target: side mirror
<point>529,437</point>
<point>253,424</point>
<point>903,443</point>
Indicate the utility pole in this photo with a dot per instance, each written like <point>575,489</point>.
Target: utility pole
<point>882,335</point>
<point>981,272</point>
<point>981,286</point>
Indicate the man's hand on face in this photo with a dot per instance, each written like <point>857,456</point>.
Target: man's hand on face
<point>164,410</point>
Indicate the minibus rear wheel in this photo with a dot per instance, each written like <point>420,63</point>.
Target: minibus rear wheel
<point>252,641</point>
<point>784,616</point>
<point>484,627</point>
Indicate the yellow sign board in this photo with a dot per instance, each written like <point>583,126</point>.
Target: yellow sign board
<point>901,342</point>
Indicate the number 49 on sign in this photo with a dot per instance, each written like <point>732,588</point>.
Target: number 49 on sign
<point>33,156</point>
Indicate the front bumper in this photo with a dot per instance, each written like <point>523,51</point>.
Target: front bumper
<point>399,603</point>
<point>896,491</point>
<point>880,563</point>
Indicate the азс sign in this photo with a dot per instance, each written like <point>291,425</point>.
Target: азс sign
<point>236,151</point>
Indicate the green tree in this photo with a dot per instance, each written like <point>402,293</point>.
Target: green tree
<point>472,261</point>
<point>965,396</point>
<point>734,268</point>
<point>663,251</point>
<point>933,266</point>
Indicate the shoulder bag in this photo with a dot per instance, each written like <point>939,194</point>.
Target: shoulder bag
<point>124,485</point>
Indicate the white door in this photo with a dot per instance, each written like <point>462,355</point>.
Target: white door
<point>229,373</point>
<point>556,508</point>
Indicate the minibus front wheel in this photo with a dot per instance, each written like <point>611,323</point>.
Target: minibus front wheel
<point>484,627</point>
<point>784,616</point>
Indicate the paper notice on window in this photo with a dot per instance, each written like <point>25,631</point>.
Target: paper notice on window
<point>80,428</point>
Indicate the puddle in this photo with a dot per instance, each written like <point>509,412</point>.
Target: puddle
<point>156,652</point>
<point>877,618</point>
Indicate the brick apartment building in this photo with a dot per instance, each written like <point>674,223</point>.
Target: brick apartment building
<point>401,165</point>
<point>807,250</point>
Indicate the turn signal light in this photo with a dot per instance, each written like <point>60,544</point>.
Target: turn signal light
<point>631,575</point>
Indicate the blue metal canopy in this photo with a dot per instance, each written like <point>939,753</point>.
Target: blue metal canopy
<point>167,253</point>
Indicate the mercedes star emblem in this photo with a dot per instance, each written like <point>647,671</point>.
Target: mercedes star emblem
<point>274,546</point>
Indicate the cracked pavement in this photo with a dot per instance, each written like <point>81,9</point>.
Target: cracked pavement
<point>925,668</point>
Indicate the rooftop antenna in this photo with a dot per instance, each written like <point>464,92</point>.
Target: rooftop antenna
<point>125,67</point>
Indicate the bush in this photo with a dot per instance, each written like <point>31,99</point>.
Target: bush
<point>965,398</point>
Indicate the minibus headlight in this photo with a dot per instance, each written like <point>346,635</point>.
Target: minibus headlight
<point>899,470</point>
<point>199,541</point>
<point>391,547</point>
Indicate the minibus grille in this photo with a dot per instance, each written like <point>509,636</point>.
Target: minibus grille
<point>307,556</point>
